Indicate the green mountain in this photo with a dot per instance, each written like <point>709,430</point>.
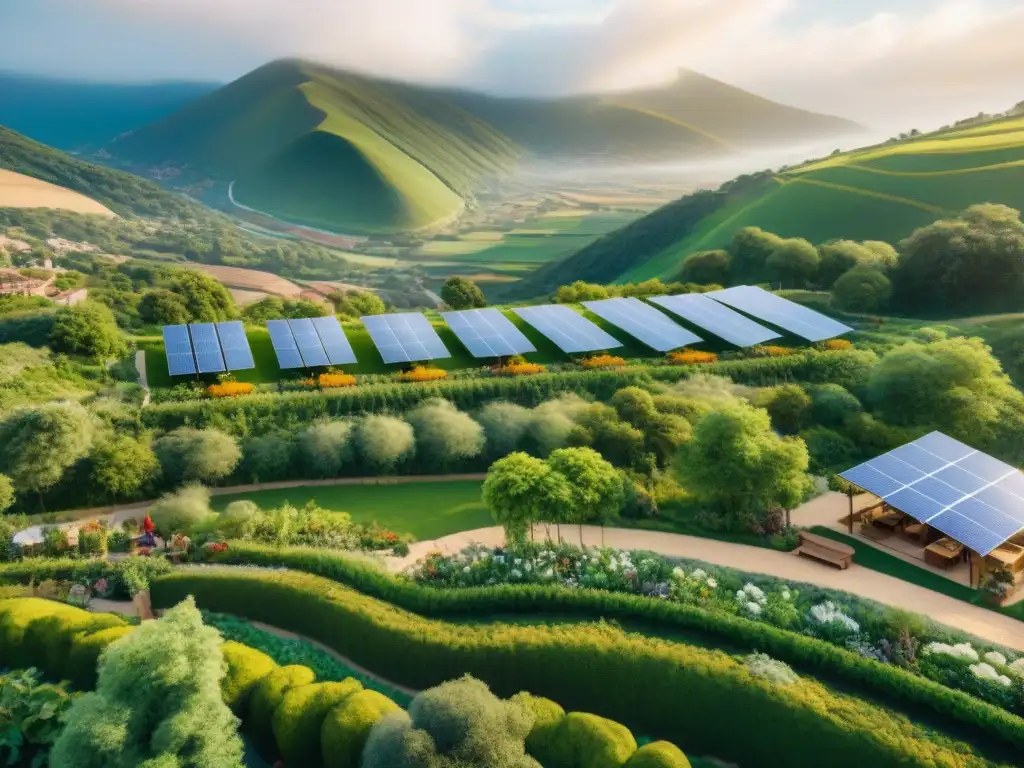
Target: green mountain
<point>359,154</point>
<point>881,192</point>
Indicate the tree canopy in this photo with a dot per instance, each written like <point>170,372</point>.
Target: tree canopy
<point>840,256</point>
<point>793,262</point>
<point>89,329</point>
<point>6,493</point>
<point>384,441</point>
<point>357,303</point>
<point>38,445</point>
<point>863,289</point>
<point>521,490</point>
<point>461,293</point>
<point>196,455</point>
<point>595,486</point>
<point>325,448</point>
<point>710,267</point>
<point>121,465</point>
<point>444,434</point>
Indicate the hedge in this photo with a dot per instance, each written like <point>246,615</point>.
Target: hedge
<point>807,654</point>
<point>265,697</point>
<point>583,740</point>
<point>49,640</point>
<point>300,716</point>
<point>547,715</point>
<point>658,754</point>
<point>246,667</point>
<point>34,570</point>
<point>347,727</point>
<point>85,653</point>
<point>682,693</point>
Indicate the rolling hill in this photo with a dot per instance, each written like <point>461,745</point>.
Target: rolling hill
<point>877,193</point>
<point>361,155</point>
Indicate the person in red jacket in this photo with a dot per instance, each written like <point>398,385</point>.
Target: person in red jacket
<point>148,538</point>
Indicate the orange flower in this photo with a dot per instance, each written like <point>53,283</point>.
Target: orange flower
<point>229,389</point>
<point>518,369</point>
<point>339,379</point>
<point>773,351</point>
<point>838,345</point>
<point>603,361</point>
<point>692,357</point>
<point>419,373</point>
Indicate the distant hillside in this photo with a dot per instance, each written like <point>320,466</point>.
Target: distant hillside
<point>358,154</point>
<point>19,191</point>
<point>75,115</point>
<point>876,193</point>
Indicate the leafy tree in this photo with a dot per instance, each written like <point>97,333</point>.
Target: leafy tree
<point>358,303</point>
<point>505,426</point>
<point>445,435</point>
<point>122,465</point>
<point>384,441</point>
<point>206,299</point>
<point>596,490</point>
<point>521,490</point>
<point>163,307</point>
<point>840,256</point>
<point>460,293</point>
<point>38,445</point>
<point>829,450</point>
<point>275,308</point>
<point>833,405</point>
<point>634,405</point>
<point>458,724</point>
<point>89,329</point>
<point>580,291</point>
<point>974,262</point>
<point>269,457</point>
<point>789,407</point>
<point>707,267</point>
<point>553,421</point>
<point>157,702</point>
<point>793,262</point>
<point>196,455</point>
<point>325,448</point>
<point>737,465</point>
<point>750,249</point>
<point>863,289</point>
<point>600,428</point>
<point>181,511</point>
<point>6,493</point>
<point>663,434</point>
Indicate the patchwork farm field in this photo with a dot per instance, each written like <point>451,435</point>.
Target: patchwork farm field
<point>20,191</point>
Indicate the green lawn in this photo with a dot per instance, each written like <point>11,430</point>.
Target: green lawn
<point>425,510</point>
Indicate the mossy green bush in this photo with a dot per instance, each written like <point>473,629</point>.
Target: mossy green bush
<point>264,698</point>
<point>347,727</point>
<point>680,692</point>
<point>84,655</point>
<point>300,716</point>
<point>246,667</point>
<point>547,714</point>
<point>17,616</point>
<point>658,754</point>
<point>582,740</point>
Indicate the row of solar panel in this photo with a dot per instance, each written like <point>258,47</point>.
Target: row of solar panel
<point>310,342</point>
<point>207,348</point>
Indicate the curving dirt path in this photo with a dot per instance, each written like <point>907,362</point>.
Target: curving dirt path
<point>978,621</point>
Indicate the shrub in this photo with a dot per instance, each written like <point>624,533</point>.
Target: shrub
<point>347,727</point>
<point>325,448</point>
<point>300,716</point>
<point>838,345</point>
<point>16,618</point>
<point>237,519</point>
<point>547,715</point>
<point>582,740</point>
<point>264,699</point>
<point>190,455</point>
<point>48,639</point>
<point>692,357</point>
<point>246,667</point>
<point>771,350</point>
<point>86,649</point>
<point>420,373</point>
<point>658,754</point>
<point>518,369</point>
<point>230,389</point>
<point>31,718</point>
<point>181,511</point>
<point>384,442</point>
<point>445,435</point>
<point>764,666</point>
<point>603,361</point>
<point>336,380</point>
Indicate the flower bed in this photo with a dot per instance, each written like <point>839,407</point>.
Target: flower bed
<point>518,369</point>
<point>336,380</point>
<point>668,690</point>
<point>603,361</point>
<point>837,345</point>
<point>692,357</point>
<point>420,373</point>
<point>230,389</point>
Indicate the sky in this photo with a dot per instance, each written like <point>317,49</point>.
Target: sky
<point>892,65</point>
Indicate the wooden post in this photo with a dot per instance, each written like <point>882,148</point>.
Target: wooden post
<point>849,495</point>
<point>975,568</point>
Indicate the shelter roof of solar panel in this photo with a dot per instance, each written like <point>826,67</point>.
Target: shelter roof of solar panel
<point>643,322</point>
<point>781,312</point>
<point>405,337</point>
<point>968,495</point>
<point>234,344</point>
<point>488,333</point>
<point>716,318</point>
<point>308,342</point>
<point>178,349</point>
<point>567,328</point>
<point>285,348</point>
<point>207,348</point>
<point>336,344</point>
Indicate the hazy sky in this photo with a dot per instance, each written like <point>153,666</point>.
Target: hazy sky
<point>891,64</point>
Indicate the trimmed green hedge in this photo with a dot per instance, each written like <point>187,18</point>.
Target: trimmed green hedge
<point>264,698</point>
<point>347,727</point>
<point>688,695</point>
<point>806,654</point>
<point>300,716</point>
<point>582,740</point>
<point>658,754</point>
<point>85,653</point>
<point>246,667</point>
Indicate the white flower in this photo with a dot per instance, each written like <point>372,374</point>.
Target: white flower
<point>988,672</point>
<point>960,650</point>
<point>754,608</point>
<point>1017,667</point>
<point>528,566</point>
<point>466,569</point>
<point>995,657</point>
<point>500,559</point>
<point>612,565</point>
<point>516,573</point>
<point>740,594</point>
<point>549,573</point>
<point>699,575</point>
<point>678,572</point>
<point>712,583</point>
<point>518,561</point>
<point>828,613</point>
<point>750,592</point>
<point>785,594</point>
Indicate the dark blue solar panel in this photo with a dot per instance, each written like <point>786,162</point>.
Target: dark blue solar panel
<point>308,342</point>
<point>896,469</point>
<point>988,517</point>
<point>986,467</point>
<point>207,348</point>
<point>918,457</point>
<point>178,350</point>
<point>488,333</point>
<point>944,447</point>
<point>961,480</point>
<point>999,498</point>
<point>1013,483</point>
<point>405,337</point>
<point>287,352</point>
<point>870,479</point>
<point>915,504</point>
<point>967,532</point>
<point>235,346</point>
<point>336,345</point>
<point>936,489</point>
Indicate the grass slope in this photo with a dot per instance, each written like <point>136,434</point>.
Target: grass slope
<point>876,193</point>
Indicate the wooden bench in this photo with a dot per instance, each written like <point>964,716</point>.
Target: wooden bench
<point>825,550</point>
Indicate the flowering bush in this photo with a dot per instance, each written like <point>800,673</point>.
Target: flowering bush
<point>770,350</point>
<point>213,547</point>
<point>764,666</point>
<point>603,361</point>
<point>230,389</point>
<point>336,380</point>
<point>420,373</point>
<point>692,357</point>
<point>838,345</point>
<point>988,672</point>
<point>959,651</point>
<point>827,622</point>
<point>518,369</point>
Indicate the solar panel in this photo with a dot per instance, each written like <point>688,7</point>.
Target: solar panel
<point>966,494</point>
<point>568,329</point>
<point>716,318</point>
<point>488,333</point>
<point>643,322</point>
<point>234,345</point>
<point>784,313</point>
<point>207,348</point>
<point>284,344</point>
<point>336,345</point>
<point>405,337</point>
<point>308,342</point>
<point>178,349</point>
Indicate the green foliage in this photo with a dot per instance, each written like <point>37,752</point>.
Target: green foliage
<point>206,299</point>
<point>505,426</point>
<point>300,716</point>
<point>829,451</point>
<point>863,289</point>
<point>582,740</point>
<point>276,308</point>
<point>347,727</point>
<point>793,262</point>
<point>326,448</point>
<point>31,715</point>
<point>547,715</point>
<point>181,511</point>
<point>750,249</point>
<point>580,291</point>
<point>196,455</point>
<point>353,304</point>
<point>521,490</point>
<point>789,407</point>
<point>708,267</point>
<point>269,457</point>
<point>462,293</point>
<point>245,668</point>
<point>6,498</point>
<point>265,697</point>
<point>840,256</point>
<point>38,445</point>
<point>86,648</point>
<point>122,465</point>
<point>444,435</point>
<point>157,697</point>
<point>658,754</point>
<point>595,487</point>
<point>384,442</point>
<point>48,639</point>
<point>88,329</point>
<point>599,427</point>
<point>163,307</point>
<point>832,405</point>
<point>238,519</point>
